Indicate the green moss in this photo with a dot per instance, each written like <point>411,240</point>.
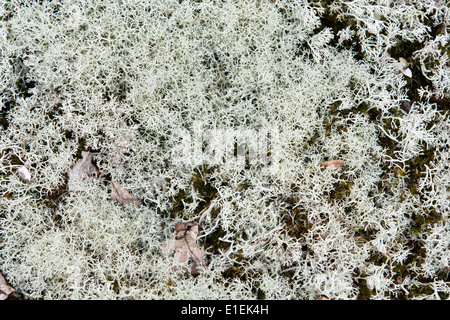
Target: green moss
<point>364,292</point>
<point>405,49</point>
<point>295,220</point>
<point>416,167</point>
<point>366,234</point>
<point>335,122</point>
<point>56,111</point>
<point>4,111</point>
<point>312,140</point>
<point>13,160</point>
<point>341,189</point>
<point>177,203</point>
<point>116,286</point>
<point>420,222</point>
<point>52,198</point>
<point>329,19</point>
<point>212,242</point>
<point>257,291</point>
<point>81,147</point>
<point>442,104</point>
<point>409,269</point>
<point>260,294</point>
<point>202,184</point>
<point>235,271</point>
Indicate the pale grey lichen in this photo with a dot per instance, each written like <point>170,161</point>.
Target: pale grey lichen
<point>304,81</point>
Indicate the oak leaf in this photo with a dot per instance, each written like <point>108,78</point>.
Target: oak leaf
<point>185,248</point>
<point>83,168</point>
<point>401,65</point>
<point>123,196</point>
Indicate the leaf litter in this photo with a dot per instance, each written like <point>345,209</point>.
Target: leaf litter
<point>185,248</point>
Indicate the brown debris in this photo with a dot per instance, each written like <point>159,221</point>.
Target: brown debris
<point>5,289</point>
<point>333,164</point>
<point>123,196</point>
<point>185,248</point>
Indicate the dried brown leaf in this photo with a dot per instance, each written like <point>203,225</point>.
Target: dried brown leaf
<point>185,248</point>
<point>123,196</point>
<point>5,289</point>
<point>83,168</point>
<point>333,164</point>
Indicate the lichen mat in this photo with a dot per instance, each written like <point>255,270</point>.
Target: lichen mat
<point>287,149</point>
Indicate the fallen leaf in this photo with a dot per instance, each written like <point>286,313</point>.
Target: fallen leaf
<point>185,248</point>
<point>83,168</point>
<point>5,289</point>
<point>123,196</point>
<point>405,70</point>
<point>25,174</point>
<point>404,64</point>
<point>333,164</point>
<point>401,65</point>
<point>321,298</point>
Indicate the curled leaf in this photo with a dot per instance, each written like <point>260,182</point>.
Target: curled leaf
<point>185,248</point>
<point>25,174</point>
<point>123,196</point>
<point>83,168</point>
<point>407,72</point>
<point>333,164</point>
<point>401,65</point>
<point>5,289</point>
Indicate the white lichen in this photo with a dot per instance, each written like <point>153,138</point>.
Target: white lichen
<point>220,113</point>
